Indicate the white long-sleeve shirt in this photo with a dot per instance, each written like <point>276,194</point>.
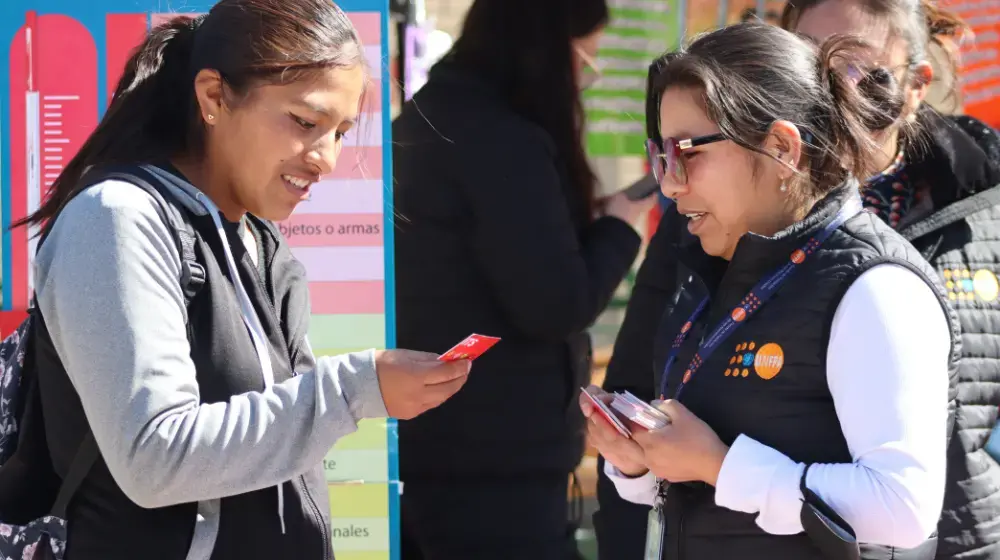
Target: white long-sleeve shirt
<point>887,369</point>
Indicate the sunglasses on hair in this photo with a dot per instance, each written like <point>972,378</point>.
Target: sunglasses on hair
<point>665,158</point>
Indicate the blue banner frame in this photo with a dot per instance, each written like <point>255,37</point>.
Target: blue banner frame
<point>91,14</point>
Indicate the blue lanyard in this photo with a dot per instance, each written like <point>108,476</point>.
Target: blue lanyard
<point>750,303</point>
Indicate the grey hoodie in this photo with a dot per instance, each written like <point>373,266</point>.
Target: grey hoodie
<point>108,284</point>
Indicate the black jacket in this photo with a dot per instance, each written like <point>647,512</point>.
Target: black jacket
<point>960,160</point>
<point>492,239</point>
<point>103,523</point>
<point>961,166</point>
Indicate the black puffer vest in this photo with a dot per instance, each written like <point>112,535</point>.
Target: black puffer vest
<point>958,163</point>
<point>780,398</point>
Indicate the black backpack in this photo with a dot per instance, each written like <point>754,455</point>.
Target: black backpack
<point>33,498</point>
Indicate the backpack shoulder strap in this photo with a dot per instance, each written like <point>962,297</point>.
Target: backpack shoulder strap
<point>192,273</point>
<point>85,457</point>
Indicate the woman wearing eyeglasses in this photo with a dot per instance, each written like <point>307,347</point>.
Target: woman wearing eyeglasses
<point>501,232</point>
<point>809,352</point>
<point>938,184</point>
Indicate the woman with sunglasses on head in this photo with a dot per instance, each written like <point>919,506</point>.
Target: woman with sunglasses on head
<point>501,232</point>
<point>809,352</point>
<point>939,185</point>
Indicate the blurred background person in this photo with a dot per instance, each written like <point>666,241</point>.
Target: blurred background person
<point>501,232</point>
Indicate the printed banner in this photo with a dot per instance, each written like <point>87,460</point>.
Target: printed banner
<point>60,64</point>
<point>979,74</point>
<point>639,31</point>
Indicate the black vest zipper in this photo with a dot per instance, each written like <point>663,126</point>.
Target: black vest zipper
<point>327,545</point>
<point>269,308</point>
<point>680,535</point>
<point>317,514</point>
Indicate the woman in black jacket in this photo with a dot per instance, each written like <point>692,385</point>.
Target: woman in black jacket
<point>946,204</point>
<point>500,233</point>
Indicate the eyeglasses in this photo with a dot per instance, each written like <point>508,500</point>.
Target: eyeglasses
<point>665,157</point>
<point>591,71</point>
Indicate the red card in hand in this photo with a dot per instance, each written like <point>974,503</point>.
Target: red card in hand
<point>469,349</point>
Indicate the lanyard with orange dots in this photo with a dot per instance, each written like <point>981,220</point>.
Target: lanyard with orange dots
<point>750,303</point>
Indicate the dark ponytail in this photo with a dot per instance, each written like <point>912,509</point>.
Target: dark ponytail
<point>159,75</point>
<point>153,114</point>
<point>147,119</point>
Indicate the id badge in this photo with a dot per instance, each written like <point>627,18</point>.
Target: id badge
<point>655,524</point>
<point>654,534</point>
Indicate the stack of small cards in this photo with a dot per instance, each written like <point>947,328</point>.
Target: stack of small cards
<point>639,411</point>
<point>631,407</point>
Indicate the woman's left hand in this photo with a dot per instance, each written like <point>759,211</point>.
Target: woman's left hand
<point>685,450</point>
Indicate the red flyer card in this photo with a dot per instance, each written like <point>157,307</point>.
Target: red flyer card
<point>469,349</point>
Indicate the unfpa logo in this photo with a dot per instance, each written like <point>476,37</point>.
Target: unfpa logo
<point>766,361</point>
<point>965,285</point>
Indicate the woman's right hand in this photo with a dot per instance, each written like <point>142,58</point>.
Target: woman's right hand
<point>616,449</point>
<point>414,382</point>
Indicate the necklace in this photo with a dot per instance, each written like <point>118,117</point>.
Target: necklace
<point>889,194</point>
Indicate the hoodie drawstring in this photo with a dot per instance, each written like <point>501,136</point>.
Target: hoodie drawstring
<point>252,322</point>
